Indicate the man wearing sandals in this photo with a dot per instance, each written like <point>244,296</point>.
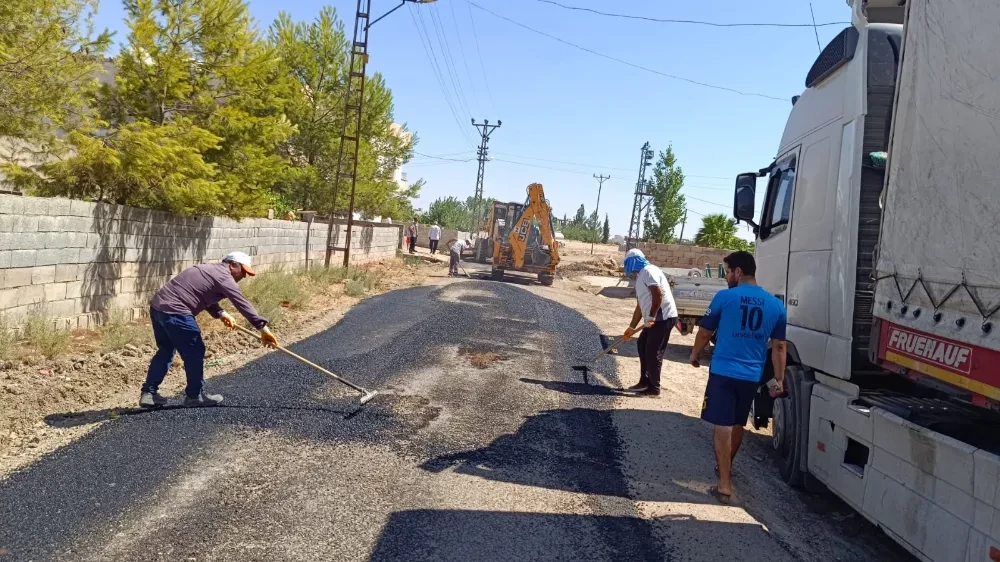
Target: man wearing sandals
<point>744,319</point>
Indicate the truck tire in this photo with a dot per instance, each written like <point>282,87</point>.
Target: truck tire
<point>546,279</point>
<point>496,274</point>
<point>787,425</point>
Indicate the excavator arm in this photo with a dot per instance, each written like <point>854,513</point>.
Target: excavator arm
<point>536,207</point>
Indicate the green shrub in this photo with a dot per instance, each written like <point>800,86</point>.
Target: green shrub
<point>8,339</point>
<point>117,331</point>
<point>41,332</point>
<point>354,288</point>
<point>273,291</point>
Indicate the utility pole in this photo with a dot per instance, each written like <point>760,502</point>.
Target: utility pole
<point>485,130</point>
<point>683,224</point>
<point>354,101</point>
<point>600,183</point>
<point>640,192</point>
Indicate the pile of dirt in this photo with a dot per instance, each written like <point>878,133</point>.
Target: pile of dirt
<point>481,359</point>
<point>605,265</point>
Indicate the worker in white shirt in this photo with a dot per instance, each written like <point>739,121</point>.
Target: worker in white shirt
<point>657,312</point>
<point>456,256</point>
<point>435,237</point>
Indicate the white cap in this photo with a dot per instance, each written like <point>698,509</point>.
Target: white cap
<point>242,259</point>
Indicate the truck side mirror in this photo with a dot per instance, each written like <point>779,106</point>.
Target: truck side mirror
<point>745,198</point>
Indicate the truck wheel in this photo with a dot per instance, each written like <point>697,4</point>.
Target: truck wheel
<point>496,274</point>
<point>481,251</point>
<point>546,279</point>
<point>787,426</point>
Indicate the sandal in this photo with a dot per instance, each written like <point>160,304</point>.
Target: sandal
<point>724,499</point>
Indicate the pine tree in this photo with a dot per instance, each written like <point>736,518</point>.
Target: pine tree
<point>668,202</point>
<point>49,65</point>
<point>606,232</point>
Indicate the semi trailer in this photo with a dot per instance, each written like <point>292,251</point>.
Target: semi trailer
<point>880,231</point>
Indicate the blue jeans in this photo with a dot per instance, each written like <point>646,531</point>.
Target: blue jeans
<point>180,333</point>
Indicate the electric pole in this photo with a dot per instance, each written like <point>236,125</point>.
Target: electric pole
<point>683,224</point>
<point>640,193</point>
<point>600,183</point>
<point>485,130</point>
<point>351,134</point>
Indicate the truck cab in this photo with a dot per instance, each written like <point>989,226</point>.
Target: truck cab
<point>911,457</point>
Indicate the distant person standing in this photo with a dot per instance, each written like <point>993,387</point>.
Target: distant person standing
<point>656,310</point>
<point>743,318</point>
<point>435,237</point>
<point>456,256</point>
<point>413,236</point>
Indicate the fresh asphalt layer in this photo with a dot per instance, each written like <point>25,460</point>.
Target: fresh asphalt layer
<point>517,460</point>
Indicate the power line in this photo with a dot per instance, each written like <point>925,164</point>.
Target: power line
<point>449,62</point>
<point>692,22</point>
<point>548,167</point>
<point>428,50</point>
<point>564,162</point>
<point>482,66</point>
<point>626,63</point>
<point>461,51</point>
<point>442,158</point>
<point>686,196</point>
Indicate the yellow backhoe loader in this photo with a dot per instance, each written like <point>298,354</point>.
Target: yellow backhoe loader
<point>520,237</point>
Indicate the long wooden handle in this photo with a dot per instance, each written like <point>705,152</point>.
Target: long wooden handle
<point>615,345</point>
<point>304,360</point>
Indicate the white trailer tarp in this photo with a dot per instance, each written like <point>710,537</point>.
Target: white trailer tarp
<point>941,216</point>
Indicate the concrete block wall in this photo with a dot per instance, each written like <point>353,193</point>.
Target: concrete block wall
<point>682,255</point>
<point>423,235</point>
<point>78,260</point>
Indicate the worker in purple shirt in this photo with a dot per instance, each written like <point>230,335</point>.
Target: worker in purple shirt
<point>172,313</point>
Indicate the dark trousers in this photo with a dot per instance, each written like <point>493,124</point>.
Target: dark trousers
<point>434,246</point>
<point>651,345</point>
<point>180,333</point>
<point>455,257</point>
<point>413,244</point>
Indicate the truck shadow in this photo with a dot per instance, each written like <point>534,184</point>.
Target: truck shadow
<point>555,449</point>
<point>460,535</point>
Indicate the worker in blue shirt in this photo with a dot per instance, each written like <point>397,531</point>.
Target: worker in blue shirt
<point>744,319</point>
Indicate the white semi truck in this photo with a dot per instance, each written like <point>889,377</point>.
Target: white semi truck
<point>880,230</point>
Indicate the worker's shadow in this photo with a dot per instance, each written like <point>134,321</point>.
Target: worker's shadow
<point>575,388</point>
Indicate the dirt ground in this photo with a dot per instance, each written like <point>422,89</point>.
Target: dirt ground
<point>33,388</point>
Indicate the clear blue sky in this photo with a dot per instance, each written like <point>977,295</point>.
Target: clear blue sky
<point>568,114</point>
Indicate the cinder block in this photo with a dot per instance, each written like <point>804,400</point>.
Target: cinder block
<point>43,274</point>
<point>22,258</point>
<point>81,208</point>
<point>127,285</point>
<point>62,308</point>
<point>11,204</point>
<point>35,206</point>
<point>56,256</point>
<point>8,298</point>
<point>5,259</point>
<point>31,294</point>
<point>66,272</point>
<point>55,292</point>
<point>74,289</point>
<point>18,277</point>
<point>47,224</point>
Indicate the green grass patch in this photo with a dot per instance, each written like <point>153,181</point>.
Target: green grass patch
<point>41,332</point>
<point>8,339</point>
<point>273,292</point>
<point>354,288</point>
<point>117,331</point>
